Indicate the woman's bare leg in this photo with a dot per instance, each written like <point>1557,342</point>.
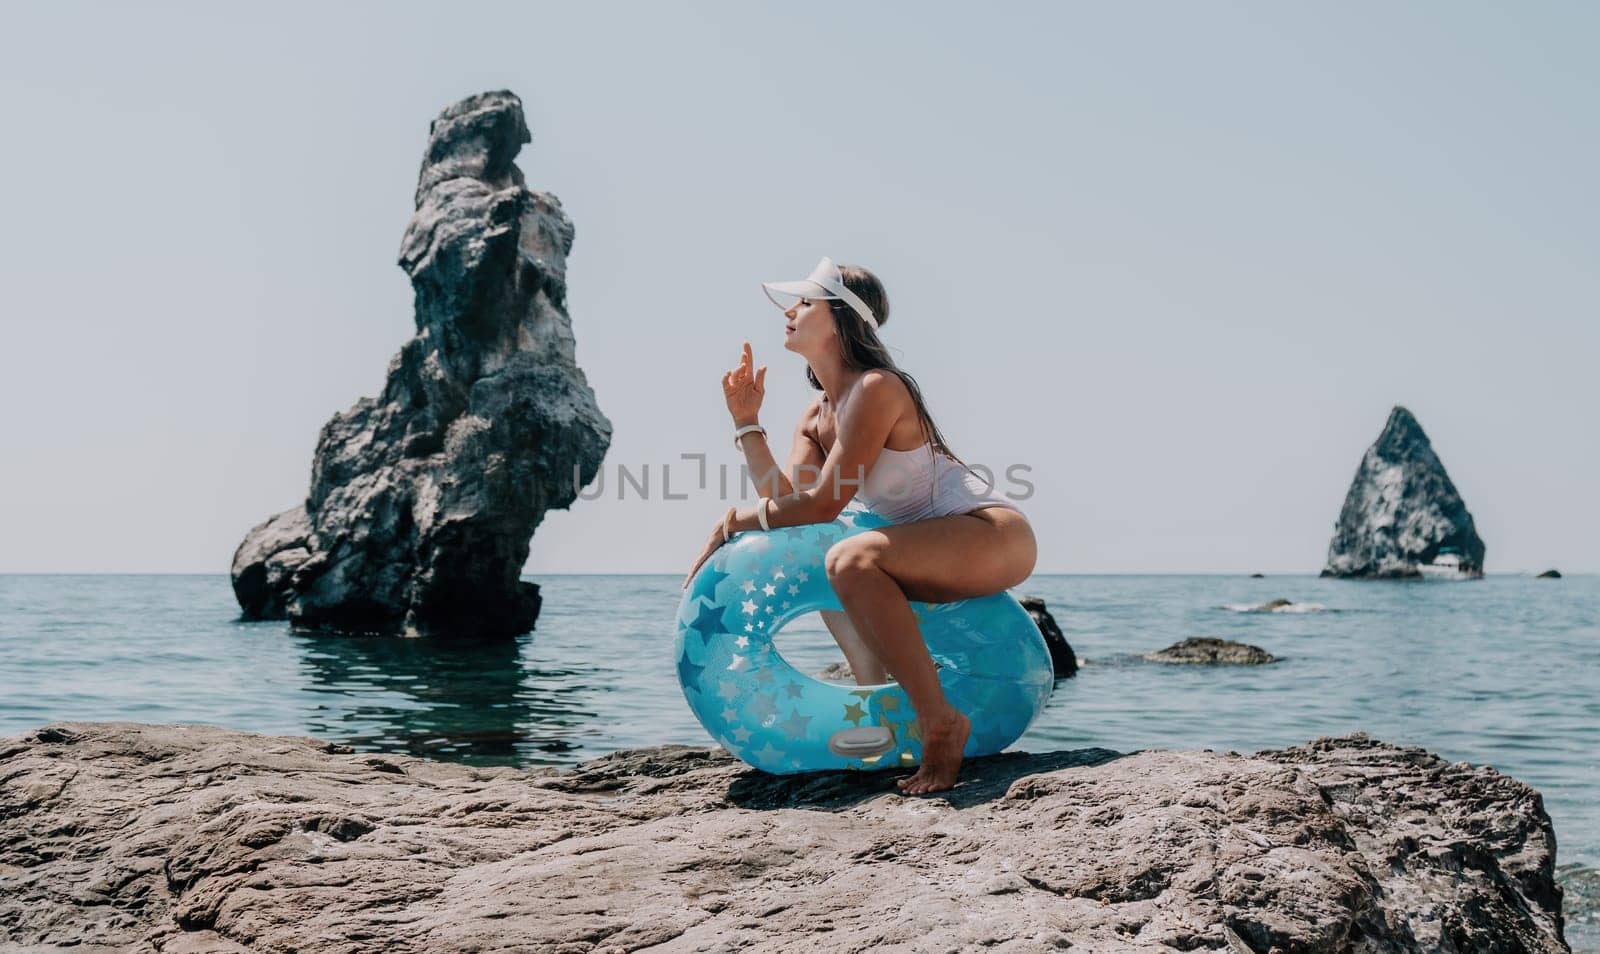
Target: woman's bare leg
<point>865,666</point>
<point>875,575</point>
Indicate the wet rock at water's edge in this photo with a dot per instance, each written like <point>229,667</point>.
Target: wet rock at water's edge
<point>423,500</point>
<point>1208,651</point>
<point>1549,575</point>
<point>1401,510</point>
<point>123,837</point>
<point>1258,576</point>
<point>1061,654</point>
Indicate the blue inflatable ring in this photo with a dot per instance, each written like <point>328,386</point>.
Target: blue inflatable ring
<point>993,662</point>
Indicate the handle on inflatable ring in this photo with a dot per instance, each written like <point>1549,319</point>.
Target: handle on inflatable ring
<point>993,662</point>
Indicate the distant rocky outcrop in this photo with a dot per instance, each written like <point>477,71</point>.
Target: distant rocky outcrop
<point>423,500</point>
<point>1209,651</point>
<point>1549,575</point>
<point>123,837</point>
<point>1401,511</point>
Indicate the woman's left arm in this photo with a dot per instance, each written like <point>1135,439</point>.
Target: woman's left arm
<point>864,426</point>
<point>863,429</point>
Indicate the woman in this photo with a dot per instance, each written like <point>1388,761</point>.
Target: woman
<point>868,437</point>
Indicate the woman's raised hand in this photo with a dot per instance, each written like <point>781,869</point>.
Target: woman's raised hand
<point>744,389</point>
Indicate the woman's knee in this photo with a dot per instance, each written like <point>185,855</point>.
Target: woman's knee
<point>849,559</point>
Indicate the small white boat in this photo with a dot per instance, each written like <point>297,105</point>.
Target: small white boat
<point>1446,566</point>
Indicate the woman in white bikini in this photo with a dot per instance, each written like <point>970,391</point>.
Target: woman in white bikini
<point>868,437</point>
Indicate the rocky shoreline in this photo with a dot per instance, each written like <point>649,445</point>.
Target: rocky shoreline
<point>121,836</point>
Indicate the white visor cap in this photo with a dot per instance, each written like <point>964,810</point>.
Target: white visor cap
<point>823,282</point>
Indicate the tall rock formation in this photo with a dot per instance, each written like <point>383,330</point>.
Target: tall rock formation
<point>423,500</point>
<point>1401,510</point>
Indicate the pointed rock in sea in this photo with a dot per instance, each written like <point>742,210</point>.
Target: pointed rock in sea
<point>1401,511</point>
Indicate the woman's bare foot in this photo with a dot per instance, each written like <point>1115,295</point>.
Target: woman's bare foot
<point>942,744</point>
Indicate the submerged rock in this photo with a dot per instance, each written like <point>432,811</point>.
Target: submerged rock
<point>423,500</point>
<point>130,837</point>
<point>1279,605</point>
<point>1061,654</point>
<point>1208,651</point>
<point>1401,511</point>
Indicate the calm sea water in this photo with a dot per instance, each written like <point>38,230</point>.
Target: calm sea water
<point>1504,671</point>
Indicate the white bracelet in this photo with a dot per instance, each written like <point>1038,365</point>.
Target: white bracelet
<point>739,434</point>
<point>761,512</point>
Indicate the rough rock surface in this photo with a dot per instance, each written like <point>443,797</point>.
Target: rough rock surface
<point>1061,654</point>
<point>183,838</point>
<point>1207,650</point>
<point>423,500</point>
<point>1401,509</point>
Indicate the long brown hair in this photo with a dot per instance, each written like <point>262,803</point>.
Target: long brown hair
<point>863,350</point>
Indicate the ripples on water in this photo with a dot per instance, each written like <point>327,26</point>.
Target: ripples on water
<point>1503,671</point>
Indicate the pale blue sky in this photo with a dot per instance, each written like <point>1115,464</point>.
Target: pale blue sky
<point>1179,259</point>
